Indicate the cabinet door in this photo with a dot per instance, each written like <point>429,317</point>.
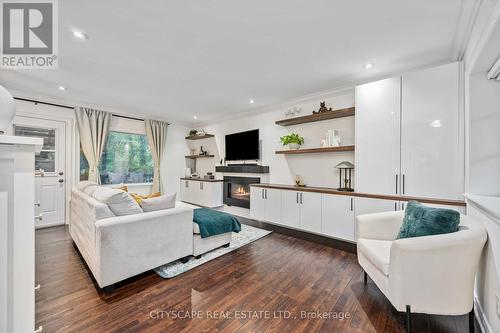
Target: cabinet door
<point>378,136</point>
<point>310,211</point>
<point>432,141</point>
<point>369,206</point>
<point>186,191</point>
<point>290,209</point>
<point>257,203</point>
<point>203,194</point>
<point>337,216</point>
<point>273,205</point>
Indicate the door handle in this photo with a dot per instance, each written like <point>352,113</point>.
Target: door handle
<point>38,217</point>
<point>187,183</point>
<point>404,181</point>
<point>61,173</point>
<point>352,204</point>
<point>266,193</point>
<point>396,183</point>
<point>37,203</point>
<point>301,198</point>
<point>395,206</point>
<point>297,197</point>
<point>61,180</point>
<point>262,193</point>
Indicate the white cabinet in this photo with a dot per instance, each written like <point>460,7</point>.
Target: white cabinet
<point>410,135</point>
<point>202,193</point>
<point>290,205</point>
<point>432,139</point>
<point>377,136</point>
<point>272,210</point>
<point>257,203</point>
<point>310,211</point>
<point>369,205</point>
<point>265,204</point>
<point>337,213</point>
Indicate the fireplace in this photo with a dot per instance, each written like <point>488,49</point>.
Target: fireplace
<point>237,190</point>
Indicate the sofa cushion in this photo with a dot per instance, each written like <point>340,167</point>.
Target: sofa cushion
<point>378,252</point>
<point>420,220</point>
<point>81,186</point>
<point>138,197</point>
<point>120,202</point>
<point>158,203</point>
<point>89,190</point>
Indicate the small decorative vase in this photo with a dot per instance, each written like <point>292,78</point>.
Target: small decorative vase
<point>293,146</point>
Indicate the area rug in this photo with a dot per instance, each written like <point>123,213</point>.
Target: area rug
<point>247,235</point>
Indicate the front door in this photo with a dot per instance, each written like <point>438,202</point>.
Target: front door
<point>49,168</point>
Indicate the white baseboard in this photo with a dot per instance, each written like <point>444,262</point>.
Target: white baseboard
<point>481,318</point>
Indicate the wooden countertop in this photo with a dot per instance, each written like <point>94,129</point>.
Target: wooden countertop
<point>329,190</point>
<point>203,180</point>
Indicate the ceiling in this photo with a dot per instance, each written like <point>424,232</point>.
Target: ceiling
<point>177,59</point>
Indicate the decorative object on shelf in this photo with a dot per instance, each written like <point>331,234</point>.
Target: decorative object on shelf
<point>193,152</point>
<point>195,175</point>
<point>193,132</point>
<point>292,140</point>
<point>345,183</point>
<point>292,111</point>
<point>187,172</point>
<point>209,175</point>
<point>201,132</point>
<point>332,138</point>
<point>203,152</point>
<point>299,181</point>
<point>322,108</point>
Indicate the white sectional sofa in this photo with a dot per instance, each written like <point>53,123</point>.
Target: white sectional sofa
<point>118,247</point>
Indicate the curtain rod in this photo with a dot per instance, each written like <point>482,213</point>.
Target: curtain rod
<point>72,107</point>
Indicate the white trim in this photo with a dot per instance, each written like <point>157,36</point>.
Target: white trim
<point>468,15</point>
<point>478,44</point>
<point>484,325</point>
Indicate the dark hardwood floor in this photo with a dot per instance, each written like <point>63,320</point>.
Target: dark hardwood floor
<point>276,273</point>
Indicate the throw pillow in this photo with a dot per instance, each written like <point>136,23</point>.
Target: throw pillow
<point>81,186</point>
<point>138,198</point>
<point>120,202</point>
<point>89,190</point>
<point>122,187</point>
<point>420,220</point>
<point>159,203</point>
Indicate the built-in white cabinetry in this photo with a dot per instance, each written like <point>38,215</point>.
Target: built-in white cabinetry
<point>202,193</point>
<point>290,208</point>
<point>265,204</point>
<point>337,216</point>
<point>432,138</point>
<point>310,211</point>
<point>409,137</point>
<point>378,106</point>
<point>369,205</point>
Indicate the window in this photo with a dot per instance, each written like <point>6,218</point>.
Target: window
<point>125,159</point>
<point>46,159</point>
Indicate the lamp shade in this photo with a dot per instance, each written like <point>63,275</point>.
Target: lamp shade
<point>7,111</point>
<point>345,165</point>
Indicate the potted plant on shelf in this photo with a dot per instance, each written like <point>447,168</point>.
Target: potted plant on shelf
<point>292,140</point>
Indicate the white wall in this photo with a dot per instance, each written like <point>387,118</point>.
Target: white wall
<point>484,179</point>
<point>484,134</point>
<point>173,163</point>
<point>315,169</point>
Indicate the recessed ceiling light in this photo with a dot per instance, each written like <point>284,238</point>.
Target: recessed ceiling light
<point>195,117</point>
<point>252,101</point>
<point>62,88</point>
<point>368,65</point>
<point>80,34</point>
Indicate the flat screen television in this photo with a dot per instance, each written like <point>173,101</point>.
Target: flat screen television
<point>242,146</point>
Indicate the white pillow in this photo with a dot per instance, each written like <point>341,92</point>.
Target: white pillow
<point>120,202</point>
<point>89,190</point>
<point>158,203</point>
<point>81,186</point>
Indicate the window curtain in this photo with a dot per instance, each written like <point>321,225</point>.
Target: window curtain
<point>93,126</point>
<point>156,131</point>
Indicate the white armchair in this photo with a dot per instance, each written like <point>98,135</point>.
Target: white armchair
<point>431,274</point>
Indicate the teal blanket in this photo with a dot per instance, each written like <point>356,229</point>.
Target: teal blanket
<point>212,222</point>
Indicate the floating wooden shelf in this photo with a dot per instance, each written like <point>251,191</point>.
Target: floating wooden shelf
<point>198,156</point>
<point>341,113</point>
<point>316,150</point>
<point>199,137</point>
